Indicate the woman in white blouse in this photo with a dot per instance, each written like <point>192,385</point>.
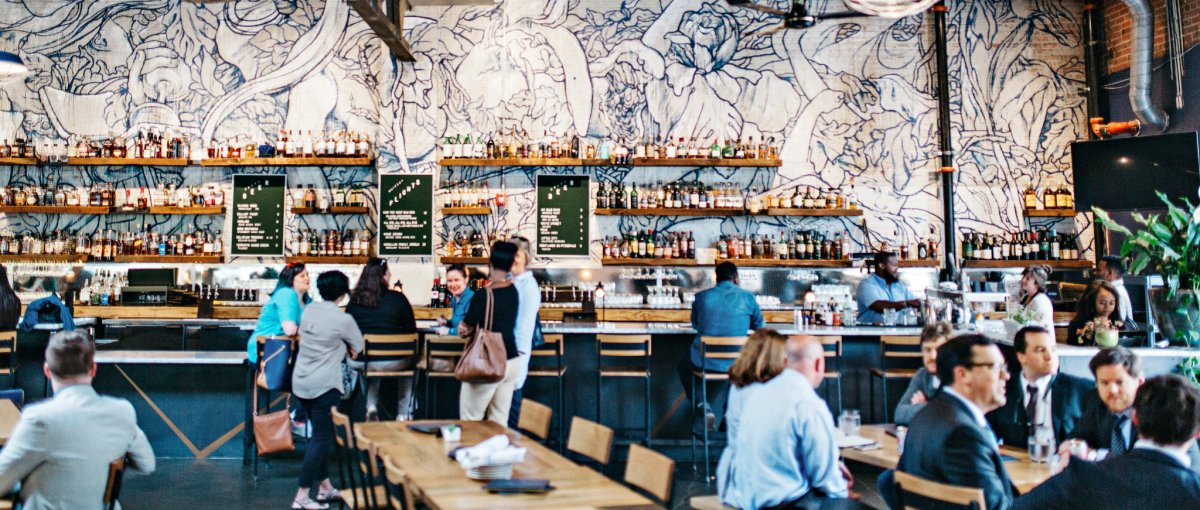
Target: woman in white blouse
<point>1032,294</point>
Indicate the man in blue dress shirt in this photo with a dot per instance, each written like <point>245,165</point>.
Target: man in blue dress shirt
<point>782,452</point>
<point>724,310</point>
<point>883,290</point>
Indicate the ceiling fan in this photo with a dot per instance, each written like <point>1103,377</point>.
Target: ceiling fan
<point>799,16</point>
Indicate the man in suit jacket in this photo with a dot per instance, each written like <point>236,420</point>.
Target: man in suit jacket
<point>1056,400</point>
<point>949,441</point>
<point>1153,474</point>
<point>61,448</point>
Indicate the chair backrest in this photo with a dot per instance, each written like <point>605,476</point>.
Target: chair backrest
<point>590,439</point>
<point>389,347</point>
<point>112,489</point>
<point>444,347</point>
<point>832,346</point>
<point>968,497</point>
<point>900,351</point>
<point>552,347</point>
<point>623,345</point>
<point>397,488</point>
<point>721,347</point>
<point>349,462</point>
<point>341,428</point>
<point>17,396</point>
<point>651,471</point>
<point>535,418</point>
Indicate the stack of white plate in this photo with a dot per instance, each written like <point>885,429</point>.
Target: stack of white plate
<point>500,472</point>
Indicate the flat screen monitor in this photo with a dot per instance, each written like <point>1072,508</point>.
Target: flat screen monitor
<point>1123,174</point>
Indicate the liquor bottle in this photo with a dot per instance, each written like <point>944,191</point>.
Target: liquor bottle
<point>1031,201</point>
<point>310,198</point>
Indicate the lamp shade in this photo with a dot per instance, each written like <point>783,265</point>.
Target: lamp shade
<point>11,67</point>
<point>890,8</point>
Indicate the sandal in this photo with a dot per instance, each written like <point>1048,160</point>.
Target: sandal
<point>308,504</point>
<point>326,497</point>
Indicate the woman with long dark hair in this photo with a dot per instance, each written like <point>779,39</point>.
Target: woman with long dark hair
<point>10,305</point>
<point>379,310</point>
<point>1100,308</point>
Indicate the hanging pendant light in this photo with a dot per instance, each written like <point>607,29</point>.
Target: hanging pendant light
<point>890,8</point>
<point>11,67</point>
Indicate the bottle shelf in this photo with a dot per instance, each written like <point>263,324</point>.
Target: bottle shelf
<point>467,211</point>
<point>286,162</point>
<point>649,262</point>
<point>55,209</point>
<point>661,162</point>
<point>127,161</point>
<point>162,209</point>
<point>310,259</point>
<point>844,263</point>
<point>921,263</point>
<point>341,209</point>
<point>466,261</point>
<point>1050,213</point>
<point>60,257</point>
<point>18,161</point>
<point>1006,264</point>
<point>170,259</point>
<point>671,211</point>
<point>523,162</point>
<point>814,212</point>
<point>716,162</point>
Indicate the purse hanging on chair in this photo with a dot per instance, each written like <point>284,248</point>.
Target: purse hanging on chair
<point>273,431</point>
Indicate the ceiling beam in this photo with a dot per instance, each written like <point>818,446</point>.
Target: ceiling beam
<point>387,21</point>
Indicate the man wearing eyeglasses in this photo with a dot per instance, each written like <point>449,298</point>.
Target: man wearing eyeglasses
<point>949,441</point>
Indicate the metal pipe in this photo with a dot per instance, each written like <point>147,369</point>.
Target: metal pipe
<point>1091,63</point>
<point>1141,62</point>
<point>942,68</point>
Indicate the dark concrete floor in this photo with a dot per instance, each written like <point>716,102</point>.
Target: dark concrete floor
<point>224,483</point>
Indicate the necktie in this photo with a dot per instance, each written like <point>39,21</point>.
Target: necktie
<point>1031,407</point>
<point>1118,446</point>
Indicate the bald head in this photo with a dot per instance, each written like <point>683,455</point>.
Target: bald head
<point>806,355</point>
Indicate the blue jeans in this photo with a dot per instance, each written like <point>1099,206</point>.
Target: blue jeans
<point>316,455</point>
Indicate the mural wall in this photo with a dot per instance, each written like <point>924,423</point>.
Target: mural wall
<point>848,100</point>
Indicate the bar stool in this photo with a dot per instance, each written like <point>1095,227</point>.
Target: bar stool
<point>382,350</point>
<point>441,354</point>
<point>901,356</point>
<point>8,353</point>
<point>833,366</point>
<point>546,361</point>
<point>712,347</point>
<point>620,348</point>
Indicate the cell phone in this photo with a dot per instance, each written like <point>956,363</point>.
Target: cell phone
<point>868,447</point>
<point>427,428</point>
<point>519,485</point>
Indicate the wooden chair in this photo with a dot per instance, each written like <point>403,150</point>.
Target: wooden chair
<point>8,356</point>
<point>590,439</point>
<point>399,497</point>
<point>650,471</point>
<point>547,361</point>
<point>535,418</point>
<point>389,349</point>
<point>708,503</point>
<point>617,348</point>
<point>440,350</point>
<point>719,348</point>
<point>901,357</point>
<point>371,472</point>
<point>833,366</point>
<point>965,497</point>
<point>112,489</point>
<point>346,456</point>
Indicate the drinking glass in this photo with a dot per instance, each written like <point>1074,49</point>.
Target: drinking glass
<point>1041,445</point>
<point>850,422</point>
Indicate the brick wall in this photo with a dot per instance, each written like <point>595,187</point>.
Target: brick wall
<point>1119,28</point>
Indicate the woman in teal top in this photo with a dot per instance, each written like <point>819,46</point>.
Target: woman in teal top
<point>281,314</point>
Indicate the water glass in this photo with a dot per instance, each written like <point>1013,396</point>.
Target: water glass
<point>889,317</point>
<point>1041,446</point>
<point>850,422</point>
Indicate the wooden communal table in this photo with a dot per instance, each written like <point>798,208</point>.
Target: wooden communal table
<point>443,485</point>
<point>9,416</point>
<point>1024,473</point>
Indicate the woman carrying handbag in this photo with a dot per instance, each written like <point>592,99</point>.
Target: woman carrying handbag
<point>487,389</point>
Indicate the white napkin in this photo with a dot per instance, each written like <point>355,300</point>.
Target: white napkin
<point>495,451</point>
<point>855,441</point>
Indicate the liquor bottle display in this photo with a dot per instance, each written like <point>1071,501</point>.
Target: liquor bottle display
<point>819,198</point>
<point>147,145</point>
<point>677,195</point>
<point>108,244</point>
<point>103,288</point>
<point>471,243</point>
<point>650,245</point>
<point>332,243</point>
<point>293,144</point>
<point>1053,197</point>
<point>1042,244</point>
<point>18,148</point>
<point>323,200</point>
<point>464,194</point>
<point>520,144</point>
<point>794,245</point>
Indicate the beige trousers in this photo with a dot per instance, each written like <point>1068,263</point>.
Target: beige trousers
<point>490,400</point>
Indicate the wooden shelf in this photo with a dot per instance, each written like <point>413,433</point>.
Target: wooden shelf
<point>649,262</point>
<point>162,209</point>
<point>18,161</point>
<point>920,263</point>
<point>724,162</point>
<point>62,257</point>
<point>523,162</point>
<point>127,161</point>
<point>671,211</point>
<point>467,211</point>
<point>788,263</point>
<point>814,212</point>
<point>1049,213</point>
<point>1006,264</point>
<point>286,162</point>
<point>170,259</point>
<point>55,209</point>
<point>332,210</point>
<point>466,261</point>
<point>308,259</point>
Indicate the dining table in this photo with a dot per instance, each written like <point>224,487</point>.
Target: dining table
<point>442,484</point>
<point>9,416</point>
<point>1023,472</point>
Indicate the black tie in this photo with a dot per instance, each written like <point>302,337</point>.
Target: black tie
<point>1031,407</point>
<point>1118,445</point>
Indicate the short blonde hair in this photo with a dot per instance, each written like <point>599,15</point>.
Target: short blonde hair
<point>762,358</point>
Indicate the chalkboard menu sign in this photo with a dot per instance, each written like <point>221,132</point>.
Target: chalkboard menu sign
<point>258,214</point>
<point>562,214</point>
<point>405,214</point>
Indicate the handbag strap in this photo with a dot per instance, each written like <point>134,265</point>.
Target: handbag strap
<point>488,311</point>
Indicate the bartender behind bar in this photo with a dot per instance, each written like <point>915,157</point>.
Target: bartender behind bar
<point>882,290</point>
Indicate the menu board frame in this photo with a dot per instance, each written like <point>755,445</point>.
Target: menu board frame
<point>267,252</point>
<point>381,221</point>
<point>585,246</point>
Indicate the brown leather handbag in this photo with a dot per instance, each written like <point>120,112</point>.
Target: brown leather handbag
<point>273,431</point>
<point>484,359</point>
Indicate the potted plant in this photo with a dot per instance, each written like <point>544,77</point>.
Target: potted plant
<point>1168,245</point>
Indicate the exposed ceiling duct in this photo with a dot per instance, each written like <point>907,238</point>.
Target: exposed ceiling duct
<point>1141,61</point>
